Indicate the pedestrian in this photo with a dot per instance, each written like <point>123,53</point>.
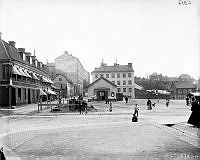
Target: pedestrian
<point>110,109</point>
<point>167,102</point>
<point>126,99</point>
<point>149,104</point>
<point>136,110</point>
<point>194,118</point>
<point>2,156</point>
<point>187,101</point>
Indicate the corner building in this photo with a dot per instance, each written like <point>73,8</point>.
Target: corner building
<point>22,77</point>
<point>120,75</point>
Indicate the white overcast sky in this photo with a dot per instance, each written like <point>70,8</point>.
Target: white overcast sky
<point>155,35</point>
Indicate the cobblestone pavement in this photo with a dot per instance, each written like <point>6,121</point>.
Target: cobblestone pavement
<point>102,135</point>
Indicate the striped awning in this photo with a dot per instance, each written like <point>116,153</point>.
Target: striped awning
<point>51,92</point>
<point>27,74</point>
<point>34,76</point>
<point>42,93</point>
<point>22,72</point>
<point>16,71</point>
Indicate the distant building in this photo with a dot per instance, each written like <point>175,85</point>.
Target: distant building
<point>65,85</point>
<point>185,78</point>
<point>179,90</point>
<point>120,75</point>
<point>75,71</point>
<point>102,88</point>
<point>22,77</point>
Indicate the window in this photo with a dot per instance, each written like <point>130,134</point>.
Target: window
<point>124,82</point>
<point>19,93</point>
<point>130,89</point>
<point>60,79</point>
<point>113,75</point>
<point>124,75</point>
<point>118,89</point>
<point>130,82</point>
<point>184,91</point>
<point>118,82</point>
<point>101,75</point>
<point>129,74</point>
<point>124,89</point>
<point>96,75</point>
<point>179,91</point>
<point>107,75</point>
<point>113,82</point>
<point>118,75</point>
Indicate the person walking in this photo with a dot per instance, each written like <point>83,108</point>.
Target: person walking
<point>110,109</point>
<point>194,118</point>
<point>136,110</point>
<point>187,101</point>
<point>167,102</point>
<point>2,156</point>
<point>149,104</point>
<point>126,99</point>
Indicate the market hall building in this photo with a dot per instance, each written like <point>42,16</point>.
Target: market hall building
<point>121,76</point>
<point>22,77</point>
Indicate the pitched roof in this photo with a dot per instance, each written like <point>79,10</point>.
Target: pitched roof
<point>12,52</point>
<point>116,68</point>
<point>99,80</point>
<point>3,52</point>
<point>184,85</point>
<point>65,76</point>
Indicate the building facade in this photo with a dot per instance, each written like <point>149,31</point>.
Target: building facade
<point>64,84</point>
<point>120,75</point>
<point>75,71</point>
<point>22,77</point>
<point>179,90</point>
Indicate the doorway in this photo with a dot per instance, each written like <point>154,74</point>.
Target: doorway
<point>13,102</point>
<point>29,96</point>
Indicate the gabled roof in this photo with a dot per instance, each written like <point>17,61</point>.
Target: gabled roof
<point>118,68</point>
<point>99,80</point>
<point>3,52</point>
<point>65,76</point>
<point>184,85</point>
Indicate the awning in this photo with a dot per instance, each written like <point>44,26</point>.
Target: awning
<point>16,71</point>
<point>44,79</point>
<point>42,93</point>
<point>22,72</point>
<point>34,76</point>
<point>27,74</point>
<point>50,81</point>
<point>51,92</point>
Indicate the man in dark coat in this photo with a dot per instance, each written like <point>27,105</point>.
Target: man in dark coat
<point>195,115</point>
<point>149,104</point>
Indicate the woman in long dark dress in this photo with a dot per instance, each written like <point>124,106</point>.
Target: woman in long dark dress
<point>195,115</point>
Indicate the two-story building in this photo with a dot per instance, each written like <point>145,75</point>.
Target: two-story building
<point>22,77</point>
<point>120,75</point>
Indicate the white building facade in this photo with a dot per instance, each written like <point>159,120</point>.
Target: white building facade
<point>74,69</point>
<point>120,75</point>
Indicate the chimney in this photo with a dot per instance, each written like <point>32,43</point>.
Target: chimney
<point>12,43</point>
<point>130,64</point>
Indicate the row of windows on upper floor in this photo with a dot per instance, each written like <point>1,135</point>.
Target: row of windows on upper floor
<point>123,82</point>
<point>124,90</point>
<point>107,75</point>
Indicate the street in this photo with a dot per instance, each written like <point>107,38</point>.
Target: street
<point>160,133</point>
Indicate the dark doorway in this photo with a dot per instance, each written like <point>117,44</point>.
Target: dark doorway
<point>13,102</point>
<point>102,95</point>
<point>29,96</point>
